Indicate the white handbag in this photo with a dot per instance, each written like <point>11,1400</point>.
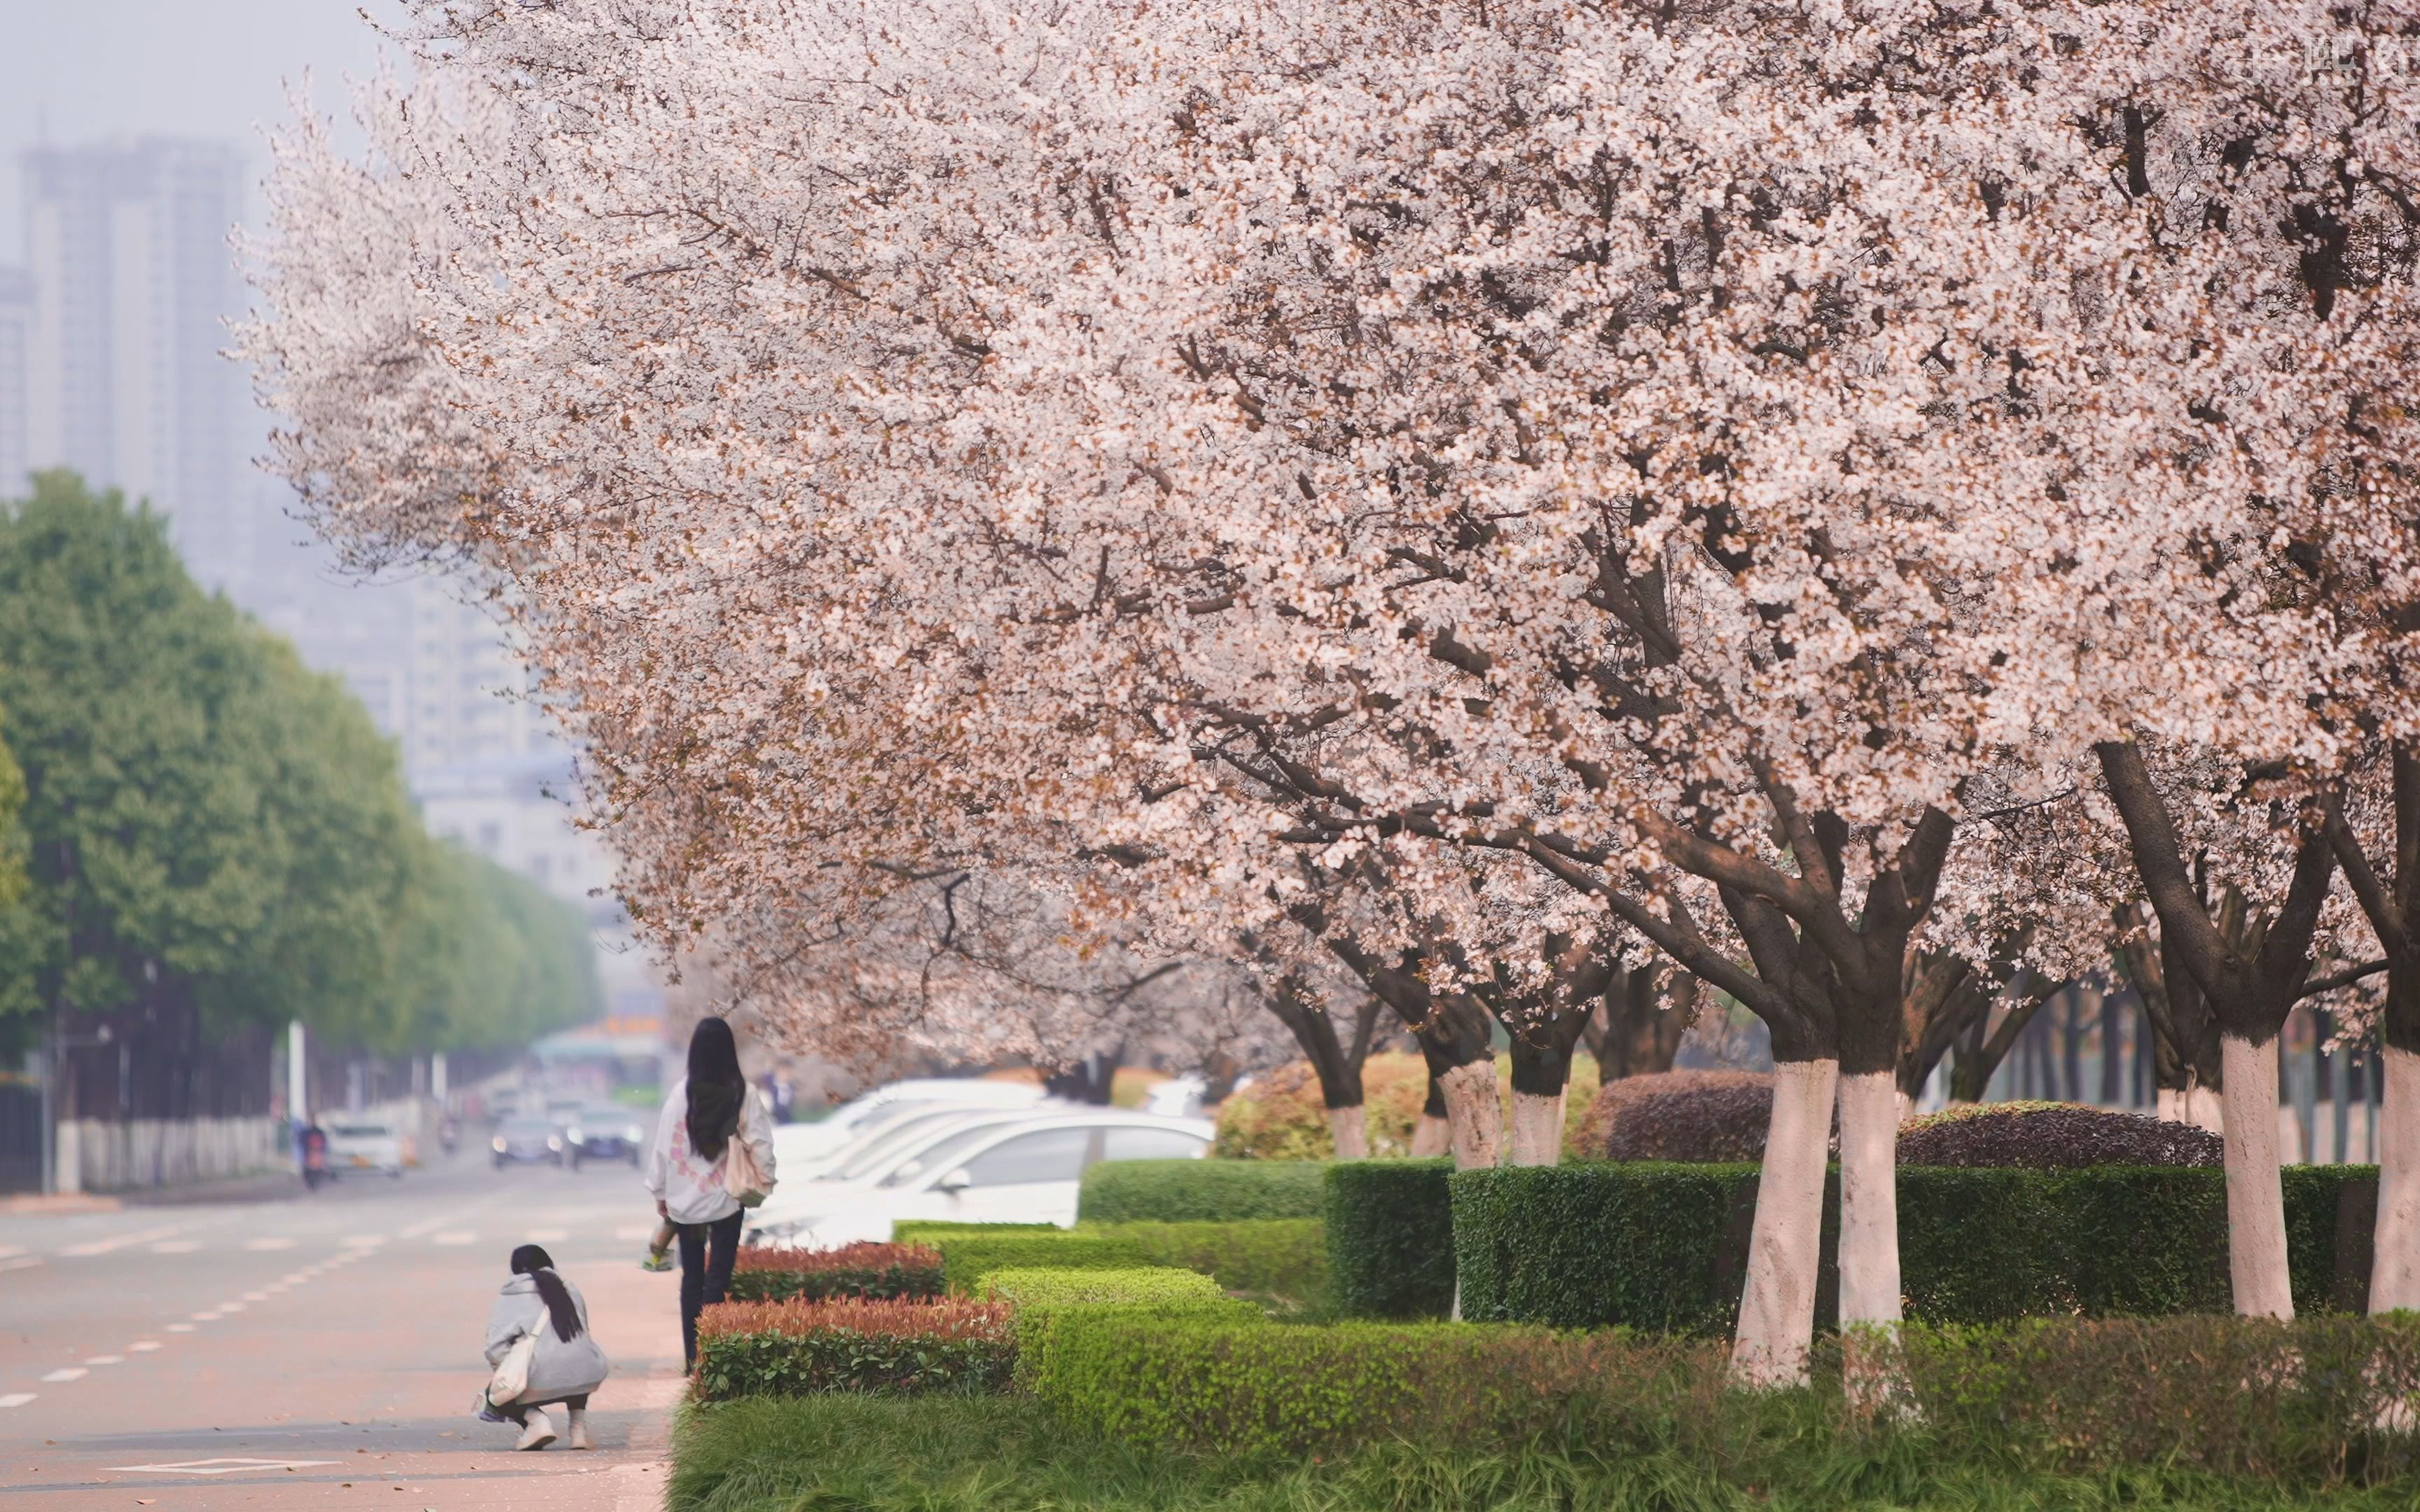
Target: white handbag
<point>512,1372</point>
<point>742,1177</point>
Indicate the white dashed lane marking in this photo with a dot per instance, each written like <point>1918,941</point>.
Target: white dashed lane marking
<point>73,1372</point>
<point>143,1346</point>
<point>16,1398</point>
<point>180,1328</point>
<point>458,1237</point>
<point>548,1236</point>
<point>26,1264</point>
<point>106,1359</point>
<point>103,1246</point>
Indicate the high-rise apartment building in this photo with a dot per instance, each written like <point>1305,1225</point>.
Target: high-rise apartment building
<point>16,327</point>
<point>125,378</point>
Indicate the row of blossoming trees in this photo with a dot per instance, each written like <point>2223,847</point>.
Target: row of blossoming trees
<point>1873,504</point>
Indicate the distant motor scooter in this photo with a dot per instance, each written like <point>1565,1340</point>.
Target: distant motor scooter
<point>449,1134</point>
<point>314,1157</point>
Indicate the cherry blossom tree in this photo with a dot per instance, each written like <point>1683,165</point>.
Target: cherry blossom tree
<point>1558,476</point>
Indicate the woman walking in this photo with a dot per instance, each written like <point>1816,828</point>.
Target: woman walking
<point>566,1363</point>
<point>707,1110</point>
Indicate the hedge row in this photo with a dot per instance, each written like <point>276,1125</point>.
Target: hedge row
<point>925,1230</point>
<point>1390,1238</point>
<point>1277,1257</point>
<point>1665,1246</point>
<point>1200,1191</point>
<point>2299,1403</point>
<point>966,1260</point>
<point>1044,1297</point>
<point>876,1271</point>
<point>785,1349</point>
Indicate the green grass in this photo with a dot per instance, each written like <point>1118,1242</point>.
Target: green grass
<point>1006,1454</point>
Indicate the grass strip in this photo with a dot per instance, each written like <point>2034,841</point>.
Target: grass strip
<point>1009,1454</point>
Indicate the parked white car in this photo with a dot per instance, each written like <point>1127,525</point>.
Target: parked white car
<point>826,1135</point>
<point>1027,1170</point>
<point>373,1147</point>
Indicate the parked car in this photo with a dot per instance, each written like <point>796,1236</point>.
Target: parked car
<point>604,1132</point>
<point>844,1123</point>
<point>527,1140</point>
<point>365,1147</point>
<point>900,1123</point>
<point>1022,1170</point>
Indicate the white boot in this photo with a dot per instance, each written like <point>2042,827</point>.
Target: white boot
<point>537,1433</point>
<point>580,1439</point>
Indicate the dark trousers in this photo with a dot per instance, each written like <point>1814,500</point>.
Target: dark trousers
<point>706,1273</point>
<point>520,1412</point>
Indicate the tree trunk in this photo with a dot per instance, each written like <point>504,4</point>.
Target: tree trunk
<point>1544,1032</point>
<point>1777,1321</point>
<point>2201,1106</point>
<point>1537,1128</point>
<point>1647,1011</point>
<point>2256,1195</point>
<point>1350,1129</point>
<point>1432,1133</point>
<point>1338,1065</point>
<point>1870,1271</point>
<point>1475,1119</point>
<point>2395,1264</point>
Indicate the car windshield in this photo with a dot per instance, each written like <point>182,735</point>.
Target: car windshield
<point>527,1126</point>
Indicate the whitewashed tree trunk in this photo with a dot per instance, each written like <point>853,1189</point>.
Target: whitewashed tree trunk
<point>1776,1321</point>
<point>1906,1106</point>
<point>1432,1137</point>
<point>2256,1195</point>
<point>2395,1266</point>
<point>1870,1291</point>
<point>1474,1119</point>
<point>1350,1128</point>
<point>2198,1105</point>
<point>1537,1129</point>
<point>1872,1107</point>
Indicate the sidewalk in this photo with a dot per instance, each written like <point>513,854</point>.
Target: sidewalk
<point>29,1204</point>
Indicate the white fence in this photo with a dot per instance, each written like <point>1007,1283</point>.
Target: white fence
<point>95,1156</point>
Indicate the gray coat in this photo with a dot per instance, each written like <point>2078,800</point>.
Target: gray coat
<point>558,1369</point>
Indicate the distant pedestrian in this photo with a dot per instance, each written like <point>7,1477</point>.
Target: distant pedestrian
<point>706,1112</point>
<point>566,1364</point>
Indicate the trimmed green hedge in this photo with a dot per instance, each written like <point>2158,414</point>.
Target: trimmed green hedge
<point>1390,1238</point>
<point>966,1260</point>
<point>1244,1387</point>
<point>1149,1286</point>
<point>1043,1297</point>
<point>1665,1246</point>
<point>925,1230</point>
<point>1200,1191</point>
<point>1281,1258</point>
<point>2298,1403</point>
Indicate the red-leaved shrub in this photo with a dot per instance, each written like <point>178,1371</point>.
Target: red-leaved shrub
<point>787,1349</point>
<point>865,1269</point>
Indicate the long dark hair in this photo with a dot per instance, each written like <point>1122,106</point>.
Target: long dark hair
<point>715,1086</point>
<point>538,1266</point>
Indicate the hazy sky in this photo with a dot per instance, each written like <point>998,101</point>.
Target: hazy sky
<point>81,70</point>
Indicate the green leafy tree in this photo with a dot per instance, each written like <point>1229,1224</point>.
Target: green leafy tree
<point>209,835</point>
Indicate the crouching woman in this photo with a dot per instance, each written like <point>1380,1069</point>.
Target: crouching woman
<point>566,1363</point>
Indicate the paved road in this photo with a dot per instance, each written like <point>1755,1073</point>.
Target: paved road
<point>321,1352</point>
